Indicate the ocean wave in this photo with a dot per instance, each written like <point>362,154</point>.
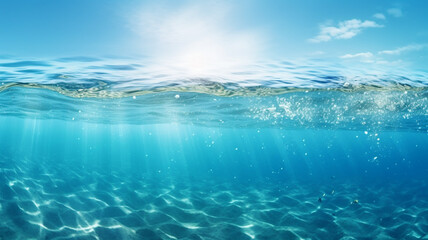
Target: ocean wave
<point>86,77</point>
<point>285,95</point>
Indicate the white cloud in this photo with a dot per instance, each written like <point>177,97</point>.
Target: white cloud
<point>400,50</point>
<point>379,16</point>
<point>381,57</point>
<point>358,55</point>
<point>344,30</point>
<point>395,12</point>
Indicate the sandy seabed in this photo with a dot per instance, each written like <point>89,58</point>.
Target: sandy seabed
<point>68,202</point>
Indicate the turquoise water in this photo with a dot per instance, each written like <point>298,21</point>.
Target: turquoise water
<point>116,149</point>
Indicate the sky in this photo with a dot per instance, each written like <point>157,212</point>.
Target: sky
<point>203,33</point>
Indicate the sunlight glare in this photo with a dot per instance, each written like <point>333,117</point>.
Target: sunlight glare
<point>197,39</point>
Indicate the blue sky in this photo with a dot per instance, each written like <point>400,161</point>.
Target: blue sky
<point>372,32</point>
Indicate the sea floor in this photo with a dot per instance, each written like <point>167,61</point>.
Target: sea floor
<point>62,201</point>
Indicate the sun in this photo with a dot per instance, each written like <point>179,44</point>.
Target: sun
<point>197,39</point>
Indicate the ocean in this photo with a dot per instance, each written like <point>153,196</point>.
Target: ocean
<point>111,148</point>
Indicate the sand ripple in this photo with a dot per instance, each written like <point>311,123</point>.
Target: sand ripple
<point>68,202</point>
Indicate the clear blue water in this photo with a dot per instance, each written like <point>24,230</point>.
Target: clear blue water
<point>113,149</point>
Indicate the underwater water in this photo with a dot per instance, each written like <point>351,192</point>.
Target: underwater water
<point>108,149</point>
